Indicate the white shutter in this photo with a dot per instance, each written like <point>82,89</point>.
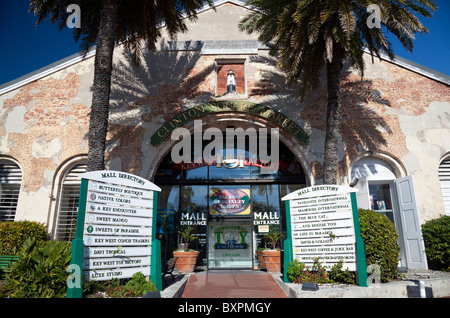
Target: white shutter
<point>444,179</point>
<point>10,180</point>
<point>412,234</point>
<point>362,196</point>
<point>68,204</point>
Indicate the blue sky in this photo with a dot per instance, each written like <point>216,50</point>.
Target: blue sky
<point>27,47</point>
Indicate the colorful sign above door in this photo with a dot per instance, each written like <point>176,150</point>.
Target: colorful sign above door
<point>229,106</point>
<point>229,202</point>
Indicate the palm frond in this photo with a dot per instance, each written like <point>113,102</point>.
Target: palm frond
<point>304,33</point>
<point>139,21</point>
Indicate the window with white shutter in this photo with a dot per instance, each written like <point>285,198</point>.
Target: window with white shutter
<point>444,179</point>
<point>68,203</point>
<point>10,181</point>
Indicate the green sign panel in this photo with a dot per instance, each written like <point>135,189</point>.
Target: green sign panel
<point>323,222</point>
<point>229,106</point>
<point>115,233</point>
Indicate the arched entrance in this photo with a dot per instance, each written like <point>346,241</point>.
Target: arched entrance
<point>230,199</point>
<point>385,188</point>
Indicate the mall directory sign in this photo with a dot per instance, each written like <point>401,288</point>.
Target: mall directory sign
<point>323,223</point>
<point>115,229</point>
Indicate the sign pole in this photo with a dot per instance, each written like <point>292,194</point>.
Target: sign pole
<point>360,250</point>
<point>288,255</point>
<point>156,273</point>
<point>75,286</point>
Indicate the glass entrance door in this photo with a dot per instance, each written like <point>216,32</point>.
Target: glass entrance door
<point>230,244</point>
<point>230,230</point>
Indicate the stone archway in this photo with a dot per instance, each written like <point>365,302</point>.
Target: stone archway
<point>393,163</point>
<point>238,119</point>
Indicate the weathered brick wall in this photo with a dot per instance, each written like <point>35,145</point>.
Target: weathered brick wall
<point>43,124</point>
<point>392,110</point>
<point>52,128</point>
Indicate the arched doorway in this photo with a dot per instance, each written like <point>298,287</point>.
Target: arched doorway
<point>232,202</point>
<point>385,188</point>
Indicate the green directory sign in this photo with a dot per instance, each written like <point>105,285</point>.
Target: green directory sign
<point>115,229</point>
<point>323,223</point>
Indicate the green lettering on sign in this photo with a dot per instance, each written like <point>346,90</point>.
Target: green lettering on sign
<point>229,106</point>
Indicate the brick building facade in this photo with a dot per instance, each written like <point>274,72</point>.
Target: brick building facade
<point>395,128</point>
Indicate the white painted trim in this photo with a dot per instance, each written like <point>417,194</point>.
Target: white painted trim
<point>393,162</point>
<point>220,2</point>
<point>414,67</point>
<point>46,72</point>
<point>55,195</point>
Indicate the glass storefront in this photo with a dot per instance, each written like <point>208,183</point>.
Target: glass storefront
<point>231,208</point>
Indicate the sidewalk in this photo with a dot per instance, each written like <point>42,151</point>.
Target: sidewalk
<point>433,288</point>
<point>232,284</point>
<point>258,284</point>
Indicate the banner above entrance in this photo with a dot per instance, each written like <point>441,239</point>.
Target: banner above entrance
<point>229,106</point>
<point>229,202</point>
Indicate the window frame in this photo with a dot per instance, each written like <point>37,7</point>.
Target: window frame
<point>69,170</point>
<point>14,184</point>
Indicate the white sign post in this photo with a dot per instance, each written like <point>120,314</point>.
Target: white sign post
<point>322,222</point>
<point>115,228</point>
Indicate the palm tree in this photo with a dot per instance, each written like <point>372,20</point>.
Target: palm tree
<point>310,35</point>
<point>108,23</point>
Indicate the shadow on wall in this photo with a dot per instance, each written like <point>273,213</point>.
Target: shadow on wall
<point>272,83</point>
<point>168,79</point>
<point>139,95</point>
<point>364,124</point>
<point>162,71</point>
<point>363,120</point>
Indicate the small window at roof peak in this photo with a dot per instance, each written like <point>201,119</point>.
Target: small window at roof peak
<point>230,79</point>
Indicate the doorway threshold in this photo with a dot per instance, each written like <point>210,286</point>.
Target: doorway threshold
<point>230,270</point>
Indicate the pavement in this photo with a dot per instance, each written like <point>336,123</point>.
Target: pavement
<point>232,284</point>
<point>425,288</point>
<point>259,284</point>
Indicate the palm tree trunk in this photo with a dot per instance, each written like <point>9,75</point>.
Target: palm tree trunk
<point>98,125</point>
<point>330,161</point>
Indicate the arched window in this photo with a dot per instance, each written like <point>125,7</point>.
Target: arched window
<point>374,179</point>
<point>68,203</point>
<point>10,181</point>
<point>444,179</point>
